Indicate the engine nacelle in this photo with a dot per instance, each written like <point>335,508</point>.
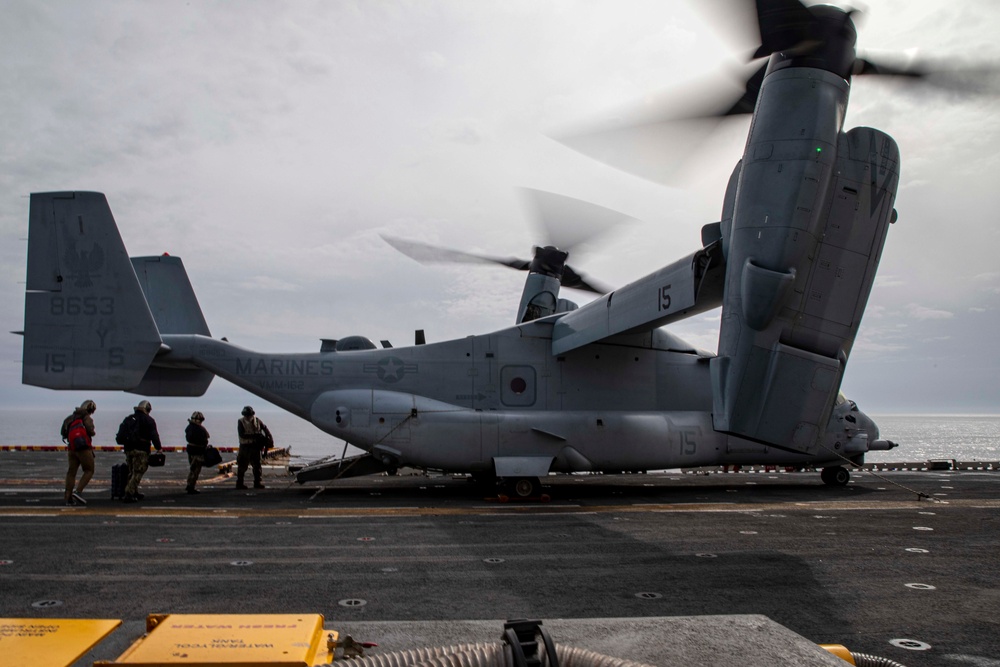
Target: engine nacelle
<point>812,210</point>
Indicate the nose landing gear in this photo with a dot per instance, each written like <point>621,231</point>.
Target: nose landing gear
<point>835,476</point>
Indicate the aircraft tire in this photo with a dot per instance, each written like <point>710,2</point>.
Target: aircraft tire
<point>825,475</point>
<point>836,476</point>
<point>525,487</point>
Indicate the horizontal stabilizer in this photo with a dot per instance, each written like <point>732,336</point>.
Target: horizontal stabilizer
<point>168,292</point>
<point>175,309</point>
<point>164,381</point>
<point>86,323</point>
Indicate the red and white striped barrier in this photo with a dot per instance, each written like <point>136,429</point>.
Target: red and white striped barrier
<point>100,448</point>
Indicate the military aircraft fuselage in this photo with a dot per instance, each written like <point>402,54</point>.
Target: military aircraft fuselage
<point>639,402</point>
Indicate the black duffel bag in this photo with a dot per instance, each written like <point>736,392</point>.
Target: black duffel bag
<point>213,456</point>
<point>157,459</point>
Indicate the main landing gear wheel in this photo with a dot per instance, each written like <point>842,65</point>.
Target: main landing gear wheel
<point>520,487</point>
<point>835,476</point>
<point>526,487</point>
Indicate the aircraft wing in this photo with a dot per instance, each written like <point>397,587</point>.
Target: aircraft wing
<point>689,286</point>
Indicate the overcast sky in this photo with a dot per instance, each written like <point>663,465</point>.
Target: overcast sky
<point>269,144</point>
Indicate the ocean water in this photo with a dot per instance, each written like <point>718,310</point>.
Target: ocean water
<point>920,437</point>
<point>923,437</point>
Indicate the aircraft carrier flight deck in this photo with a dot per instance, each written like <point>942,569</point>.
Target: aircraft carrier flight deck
<point>899,564</point>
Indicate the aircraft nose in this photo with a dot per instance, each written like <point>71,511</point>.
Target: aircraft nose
<point>875,443</point>
<point>871,427</point>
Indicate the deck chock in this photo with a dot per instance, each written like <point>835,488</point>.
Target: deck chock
<point>233,640</point>
<point>351,647</point>
<point>50,641</point>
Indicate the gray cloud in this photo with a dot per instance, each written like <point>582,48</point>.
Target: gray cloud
<point>920,312</point>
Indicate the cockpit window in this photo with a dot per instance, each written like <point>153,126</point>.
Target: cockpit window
<point>841,399</point>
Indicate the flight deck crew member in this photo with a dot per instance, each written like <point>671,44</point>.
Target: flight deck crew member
<point>197,440</point>
<point>78,432</point>
<point>254,437</point>
<point>137,451</point>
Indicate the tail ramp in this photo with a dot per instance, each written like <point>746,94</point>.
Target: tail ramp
<point>87,324</point>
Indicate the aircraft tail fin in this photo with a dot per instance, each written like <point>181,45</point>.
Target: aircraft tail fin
<point>87,324</point>
<point>175,310</point>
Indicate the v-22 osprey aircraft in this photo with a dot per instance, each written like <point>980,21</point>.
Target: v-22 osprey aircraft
<point>602,387</point>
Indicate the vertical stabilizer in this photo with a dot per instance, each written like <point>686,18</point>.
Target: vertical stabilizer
<point>86,322</point>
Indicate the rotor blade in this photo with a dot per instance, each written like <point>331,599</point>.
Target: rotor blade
<point>758,28</point>
<point>783,25</point>
<point>976,79</point>
<point>567,222</point>
<point>734,21</point>
<point>425,253</point>
<point>748,101</point>
<point>656,139</point>
<point>654,151</point>
<point>571,278</point>
<point>865,66</point>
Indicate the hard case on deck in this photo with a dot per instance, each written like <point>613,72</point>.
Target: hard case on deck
<point>119,478</point>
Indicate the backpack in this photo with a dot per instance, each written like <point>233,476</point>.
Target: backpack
<point>128,431</point>
<point>77,435</point>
